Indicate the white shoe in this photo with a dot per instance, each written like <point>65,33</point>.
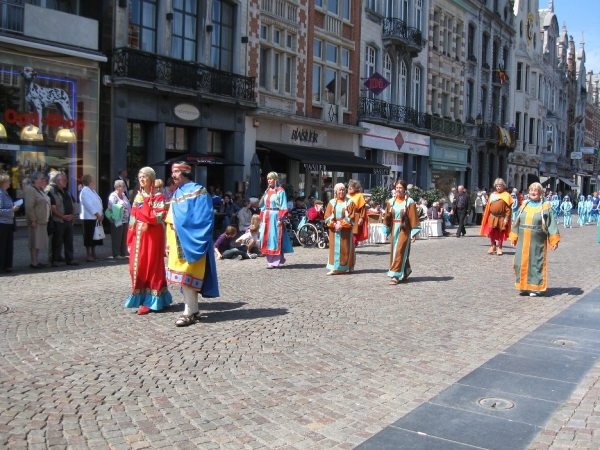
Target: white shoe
<point>252,255</point>
<point>331,272</point>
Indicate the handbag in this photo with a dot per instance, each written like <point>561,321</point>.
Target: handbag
<point>99,231</point>
<point>51,227</point>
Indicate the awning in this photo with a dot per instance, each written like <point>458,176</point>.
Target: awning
<point>547,182</point>
<point>325,160</point>
<point>198,160</point>
<point>567,182</point>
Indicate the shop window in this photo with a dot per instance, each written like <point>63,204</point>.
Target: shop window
<point>136,142</point>
<point>223,15</point>
<point>142,25</point>
<point>176,139</point>
<point>215,143</point>
<point>183,41</point>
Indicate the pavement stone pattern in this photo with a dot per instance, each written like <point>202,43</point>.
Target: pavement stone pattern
<point>286,358</point>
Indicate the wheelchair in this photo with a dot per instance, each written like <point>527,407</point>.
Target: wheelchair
<point>308,234</point>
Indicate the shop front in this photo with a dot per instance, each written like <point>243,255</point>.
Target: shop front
<point>310,160</point>
<point>404,152</point>
<point>447,165</point>
<point>49,108</point>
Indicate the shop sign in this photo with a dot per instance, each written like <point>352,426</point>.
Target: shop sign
<point>10,147</point>
<point>576,155</point>
<point>587,150</point>
<point>392,139</point>
<point>52,120</point>
<point>185,111</point>
<point>316,167</point>
<point>298,135</point>
<point>385,171</point>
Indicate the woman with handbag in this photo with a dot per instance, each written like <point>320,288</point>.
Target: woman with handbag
<point>146,242</point>
<point>7,225</point>
<point>37,210</point>
<point>91,217</point>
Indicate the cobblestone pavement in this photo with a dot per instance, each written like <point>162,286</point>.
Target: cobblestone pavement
<point>286,358</point>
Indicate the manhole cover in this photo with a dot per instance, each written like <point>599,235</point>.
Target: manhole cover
<point>498,404</point>
<point>564,342</point>
<point>4,309</point>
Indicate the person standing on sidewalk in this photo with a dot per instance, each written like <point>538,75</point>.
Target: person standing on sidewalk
<point>462,210</point>
<point>7,225</point>
<point>37,210</point>
<point>118,212</point>
<point>191,259</point>
<point>61,204</point>
<point>497,217</point>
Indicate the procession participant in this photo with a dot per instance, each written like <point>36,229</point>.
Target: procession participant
<point>565,208</point>
<point>514,207</point>
<point>401,223</point>
<point>339,220</point>
<point>273,211</point>
<point>360,230</point>
<point>587,210</point>
<point>555,204</point>
<point>581,211</point>
<point>595,201</point>
<point>146,242</point>
<point>534,229</point>
<point>497,217</point>
<point>190,254</point>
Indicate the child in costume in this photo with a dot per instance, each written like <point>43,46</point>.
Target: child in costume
<point>565,209</point>
<point>515,205</point>
<point>588,210</point>
<point>555,204</point>
<point>581,211</point>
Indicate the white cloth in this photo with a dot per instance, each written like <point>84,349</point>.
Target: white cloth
<point>190,297</point>
<point>91,204</point>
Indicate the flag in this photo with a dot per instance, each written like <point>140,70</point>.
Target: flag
<point>577,120</point>
<point>501,74</point>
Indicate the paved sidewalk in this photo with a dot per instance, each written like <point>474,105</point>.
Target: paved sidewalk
<point>286,358</point>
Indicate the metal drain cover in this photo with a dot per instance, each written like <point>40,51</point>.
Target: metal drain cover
<point>4,309</point>
<point>495,403</point>
<point>564,342</point>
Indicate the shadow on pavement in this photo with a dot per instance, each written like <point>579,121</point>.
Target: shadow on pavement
<point>556,291</point>
<point>243,314</point>
<point>305,266</point>
<point>370,252</point>
<point>418,279</point>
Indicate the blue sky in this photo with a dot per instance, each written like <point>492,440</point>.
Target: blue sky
<point>580,15</point>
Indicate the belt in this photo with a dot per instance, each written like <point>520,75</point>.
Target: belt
<point>495,215</point>
<point>397,220</point>
<point>272,209</point>
<point>531,227</point>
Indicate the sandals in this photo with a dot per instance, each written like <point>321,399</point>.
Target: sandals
<point>185,320</point>
<point>499,251</point>
<point>492,250</point>
<point>394,281</point>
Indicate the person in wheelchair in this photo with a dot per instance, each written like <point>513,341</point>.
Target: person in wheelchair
<point>316,213</point>
<point>298,212</point>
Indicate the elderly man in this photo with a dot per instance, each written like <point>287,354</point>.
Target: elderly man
<point>254,205</point>
<point>191,260</point>
<point>462,210</point>
<point>244,216</point>
<point>62,213</point>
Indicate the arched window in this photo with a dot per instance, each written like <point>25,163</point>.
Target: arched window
<point>419,14</point>
<point>370,65</point>
<point>387,74</point>
<point>402,84</point>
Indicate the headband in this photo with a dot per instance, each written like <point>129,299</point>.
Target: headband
<point>182,167</point>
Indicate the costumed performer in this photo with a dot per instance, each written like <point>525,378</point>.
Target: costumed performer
<point>587,210</point>
<point>555,204</point>
<point>497,217</point>
<point>339,216</point>
<point>401,223</point>
<point>581,211</point>
<point>565,208</point>
<point>360,230</point>
<point>191,259</point>
<point>274,239</point>
<point>534,229</point>
<point>146,243</point>
<point>595,201</point>
<point>515,206</point>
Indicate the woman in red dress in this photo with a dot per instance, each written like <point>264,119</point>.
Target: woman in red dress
<point>146,242</point>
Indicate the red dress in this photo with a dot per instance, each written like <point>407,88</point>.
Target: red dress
<point>146,242</point>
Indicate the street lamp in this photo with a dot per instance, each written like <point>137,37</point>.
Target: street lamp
<point>479,120</point>
<point>550,143</point>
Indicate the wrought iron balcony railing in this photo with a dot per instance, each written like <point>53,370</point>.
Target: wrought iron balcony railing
<point>11,16</point>
<point>140,65</point>
<point>397,28</point>
<point>379,109</point>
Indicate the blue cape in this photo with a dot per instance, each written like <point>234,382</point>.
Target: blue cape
<point>193,218</point>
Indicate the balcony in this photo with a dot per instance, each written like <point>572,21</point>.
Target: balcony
<point>488,131</point>
<point>153,68</point>
<point>47,24</point>
<point>370,108</point>
<point>399,33</point>
<point>496,78</point>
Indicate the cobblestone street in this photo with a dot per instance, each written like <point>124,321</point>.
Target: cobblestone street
<point>286,358</point>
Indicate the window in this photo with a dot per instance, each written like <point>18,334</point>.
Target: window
<point>316,83</point>
<point>470,90</point>
<point>332,53</point>
<point>344,88</point>
<point>176,139</point>
<point>389,8</point>
<point>345,58</point>
<point>278,62</point>
<point>503,110</point>
<point>518,125</point>
<point>448,35</point>
<point>264,58</point>
<point>317,49</point>
<point>183,41</point>
<point>333,6</point>
<point>485,43</point>
<point>288,75</point>
<point>319,3</point>
<point>417,89</point>
<point>526,78</point>
<point>484,94</point>
<point>263,32</point>
<point>275,71</point>
<point>402,86</point>
<point>330,87</point>
<point>519,76</point>
<point>419,14</point>
<point>436,29</point>
<point>404,10</point>
<point>387,74</point>
<point>370,66</point>
<point>346,9</point>
<point>222,35</point>
<point>532,131</point>
<point>215,143</point>
<point>136,150</point>
<point>142,25</point>
<point>459,31</point>
<point>471,42</point>
<point>276,36</point>
<point>434,94</point>
<point>289,41</point>
<point>135,134</point>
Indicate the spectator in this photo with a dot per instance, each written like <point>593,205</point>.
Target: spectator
<point>244,215</point>
<point>159,186</point>
<point>216,198</point>
<point>168,191</point>
<point>37,210</point>
<point>238,199</point>
<point>251,239</point>
<point>254,205</point>
<point>478,208</point>
<point>316,212</point>
<point>7,225</point>
<point>61,204</point>
<point>230,210</point>
<point>298,212</point>
<point>226,248</point>
<point>91,212</point>
<point>123,177</point>
<point>119,210</point>
<point>462,210</point>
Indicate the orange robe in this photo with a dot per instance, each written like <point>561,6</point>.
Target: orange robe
<point>495,213</point>
<point>360,231</point>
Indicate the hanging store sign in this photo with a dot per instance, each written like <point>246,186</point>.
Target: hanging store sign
<point>392,139</point>
<point>187,112</point>
<point>376,83</point>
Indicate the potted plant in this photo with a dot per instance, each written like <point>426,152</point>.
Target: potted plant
<point>432,195</point>
<point>379,195</point>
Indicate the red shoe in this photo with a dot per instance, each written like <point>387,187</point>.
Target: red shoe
<point>143,310</point>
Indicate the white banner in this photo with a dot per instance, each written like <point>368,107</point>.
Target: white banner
<point>386,138</point>
<point>587,150</point>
